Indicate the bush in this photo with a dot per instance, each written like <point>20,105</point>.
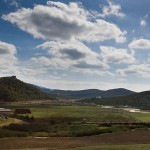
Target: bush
<point>8,133</point>
<point>32,127</point>
<point>27,118</point>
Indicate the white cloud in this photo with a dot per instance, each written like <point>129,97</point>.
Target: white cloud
<point>74,50</point>
<point>71,54</point>
<point>102,30</point>
<point>6,48</point>
<point>7,54</point>
<point>116,55</point>
<point>143,21</point>
<point>140,44</point>
<point>12,3</point>
<point>112,10</point>
<point>67,56</point>
<point>9,60</point>
<point>59,21</point>
<point>140,70</point>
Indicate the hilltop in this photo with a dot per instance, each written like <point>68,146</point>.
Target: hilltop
<point>13,89</point>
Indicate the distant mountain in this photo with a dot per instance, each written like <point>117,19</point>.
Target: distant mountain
<point>12,89</point>
<point>89,93</point>
<point>138,100</point>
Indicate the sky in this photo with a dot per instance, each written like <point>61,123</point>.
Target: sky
<point>75,45</point>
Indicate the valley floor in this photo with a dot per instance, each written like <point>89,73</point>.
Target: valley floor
<point>73,127</point>
<point>97,142</point>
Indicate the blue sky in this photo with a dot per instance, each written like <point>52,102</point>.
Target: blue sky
<point>75,45</point>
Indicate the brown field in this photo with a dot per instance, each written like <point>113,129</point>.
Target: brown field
<point>122,138</point>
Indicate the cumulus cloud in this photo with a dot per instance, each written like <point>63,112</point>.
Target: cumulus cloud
<point>143,21</point>
<point>71,54</point>
<point>137,70</point>
<point>116,55</point>
<point>11,65</point>
<point>72,49</point>
<point>59,21</point>
<point>61,57</point>
<point>8,55</point>
<point>112,10</point>
<point>6,48</point>
<point>140,44</point>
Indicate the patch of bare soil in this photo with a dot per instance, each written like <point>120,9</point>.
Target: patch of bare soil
<point>129,137</point>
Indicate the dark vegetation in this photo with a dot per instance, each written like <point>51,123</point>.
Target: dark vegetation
<point>71,129</point>
<point>139,100</point>
<point>12,89</point>
<point>22,111</point>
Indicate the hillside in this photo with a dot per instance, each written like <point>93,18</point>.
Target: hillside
<point>138,100</point>
<point>90,93</point>
<point>12,89</point>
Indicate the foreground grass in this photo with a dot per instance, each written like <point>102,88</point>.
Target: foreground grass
<point>145,117</point>
<point>9,121</point>
<point>116,147</point>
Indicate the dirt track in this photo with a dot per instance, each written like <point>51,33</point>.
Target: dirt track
<point>135,137</point>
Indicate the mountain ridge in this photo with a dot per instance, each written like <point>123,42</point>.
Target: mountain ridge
<point>89,93</point>
<point>13,89</point>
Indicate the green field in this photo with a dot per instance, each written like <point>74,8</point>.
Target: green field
<point>141,116</point>
<point>91,113</point>
<point>48,120</point>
